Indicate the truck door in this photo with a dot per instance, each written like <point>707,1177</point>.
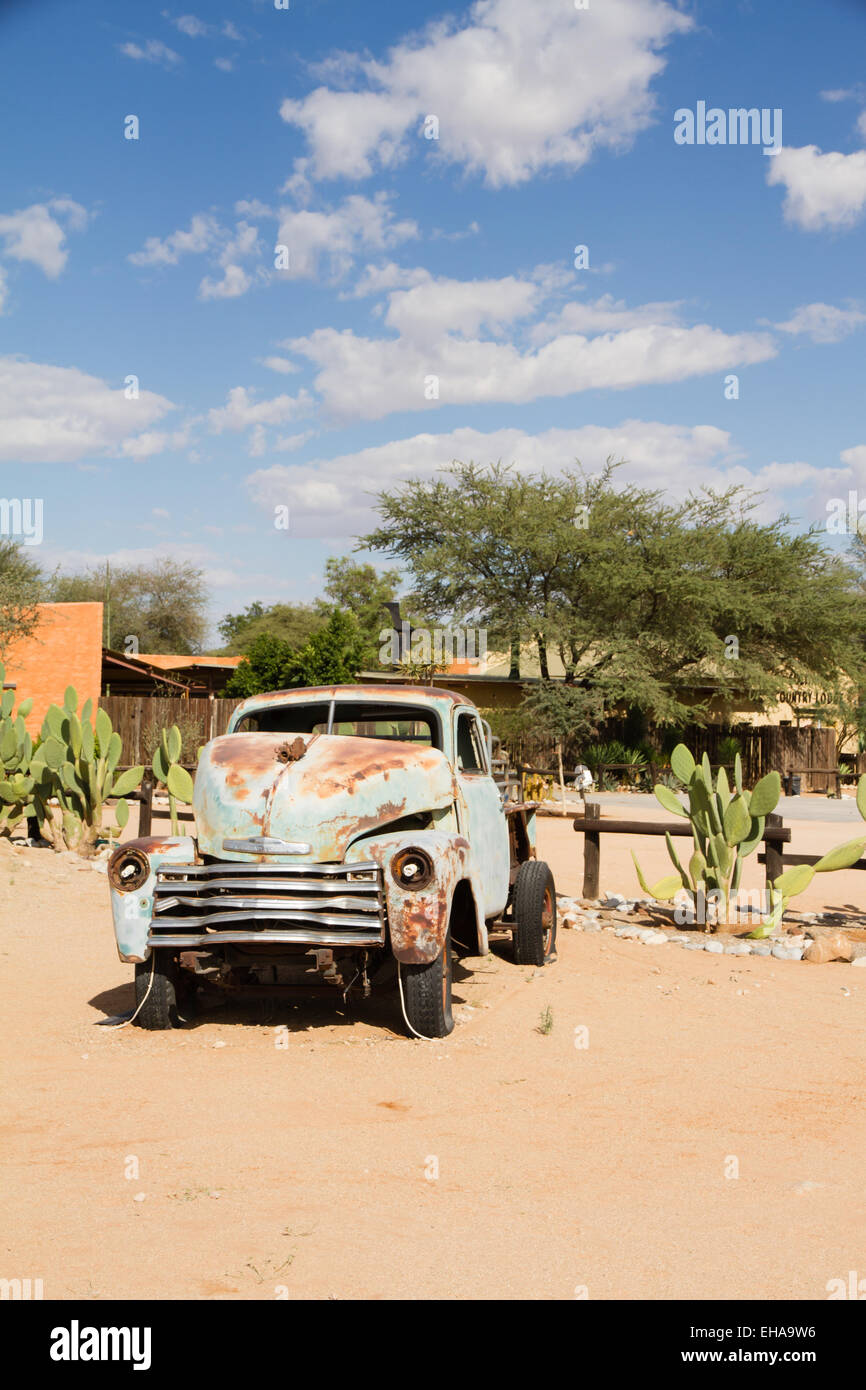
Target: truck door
<point>483,813</point>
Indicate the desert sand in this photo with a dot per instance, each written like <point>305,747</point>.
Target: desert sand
<point>708,1141</point>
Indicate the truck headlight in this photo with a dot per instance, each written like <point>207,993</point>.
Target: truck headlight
<point>412,868</point>
<point>128,869</point>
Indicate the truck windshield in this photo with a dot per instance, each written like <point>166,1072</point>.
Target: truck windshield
<point>402,723</point>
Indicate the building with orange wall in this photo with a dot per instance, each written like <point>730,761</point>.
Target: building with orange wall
<point>65,649</point>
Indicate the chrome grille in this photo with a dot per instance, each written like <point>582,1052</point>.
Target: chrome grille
<point>322,904</point>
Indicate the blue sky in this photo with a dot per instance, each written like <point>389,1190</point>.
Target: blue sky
<point>412,258</point>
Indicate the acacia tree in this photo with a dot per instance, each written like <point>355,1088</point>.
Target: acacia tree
<point>163,604</point>
<point>646,600</point>
<point>21,589</point>
<point>363,591</point>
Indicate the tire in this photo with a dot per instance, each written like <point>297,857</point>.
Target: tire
<point>159,1008</point>
<point>534,913</point>
<point>427,995</point>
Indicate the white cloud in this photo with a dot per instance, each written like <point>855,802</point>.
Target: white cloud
<point>151,442</point>
<point>203,233</point>
<point>191,26</point>
<point>376,279</point>
<point>440,306</point>
<point>861,124</point>
<point>337,237</point>
<point>605,315</point>
<point>3,288</point>
<point>206,235</point>
<point>855,458</point>
<point>216,574</point>
<point>331,497</point>
<point>235,281</point>
<point>224,64</point>
<point>823,323</point>
<point>154,51</point>
<point>288,443</point>
<point>821,190</point>
<point>372,377</point>
<point>54,414</point>
<point>35,234</point>
<point>241,412</point>
<point>280,364</point>
<point>518,87</point>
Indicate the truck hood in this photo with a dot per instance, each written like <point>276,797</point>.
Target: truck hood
<point>321,790</point>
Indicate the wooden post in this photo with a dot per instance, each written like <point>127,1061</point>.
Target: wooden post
<point>591,852</point>
<point>145,806</point>
<point>774,863</point>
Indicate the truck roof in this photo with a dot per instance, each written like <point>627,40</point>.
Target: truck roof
<point>403,694</point>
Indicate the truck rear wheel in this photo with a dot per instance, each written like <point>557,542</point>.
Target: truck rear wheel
<point>534,913</point>
<point>158,984</point>
<point>427,995</point>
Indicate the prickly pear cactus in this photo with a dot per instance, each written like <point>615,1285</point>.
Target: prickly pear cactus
<point>727,826</point>
<point>169,773</point>
<point>16,748</point>
<point>76,764</point>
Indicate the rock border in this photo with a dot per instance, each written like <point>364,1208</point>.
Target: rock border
<point>815,937</point>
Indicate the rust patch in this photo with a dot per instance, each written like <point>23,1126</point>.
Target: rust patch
<point>291,752</point>
<point>346,762</point>
<point>244,755</point>
<point>149,844</point>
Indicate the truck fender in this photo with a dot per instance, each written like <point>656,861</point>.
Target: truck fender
<point>418,917</point>
<point>132,910</point>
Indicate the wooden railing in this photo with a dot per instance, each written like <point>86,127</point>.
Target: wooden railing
<point>593,827</point>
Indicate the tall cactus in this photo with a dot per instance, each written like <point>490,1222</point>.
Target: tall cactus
<point>16,749</point>
<point>727,826</point>
<point>76,763</point>
<point>168,771</point>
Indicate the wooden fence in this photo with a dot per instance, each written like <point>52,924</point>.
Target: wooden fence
<point>138,719</point>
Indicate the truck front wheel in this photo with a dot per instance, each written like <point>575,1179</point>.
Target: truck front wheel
<point>426,995</point>
<point>158,985</point>
<point>534,913</point>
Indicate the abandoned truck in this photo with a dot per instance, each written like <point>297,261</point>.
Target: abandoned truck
<point>348,838</point>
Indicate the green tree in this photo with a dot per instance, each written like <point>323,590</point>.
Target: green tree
<point>332,656</point>
<point>163,604</point>
<point>262,667</point>
<point>363,591</point>
<point>294,623</point>
<point>21,589</point>
<point>645,601</point>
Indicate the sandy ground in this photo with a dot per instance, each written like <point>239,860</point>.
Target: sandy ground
<point>210,1163</point>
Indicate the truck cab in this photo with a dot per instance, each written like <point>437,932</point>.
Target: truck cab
<point>346,837</point>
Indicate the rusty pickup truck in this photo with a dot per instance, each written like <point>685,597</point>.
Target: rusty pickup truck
<point>347,838</point>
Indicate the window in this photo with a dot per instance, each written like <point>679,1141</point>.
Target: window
<point>470,745</point>
<point>399,723</point>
